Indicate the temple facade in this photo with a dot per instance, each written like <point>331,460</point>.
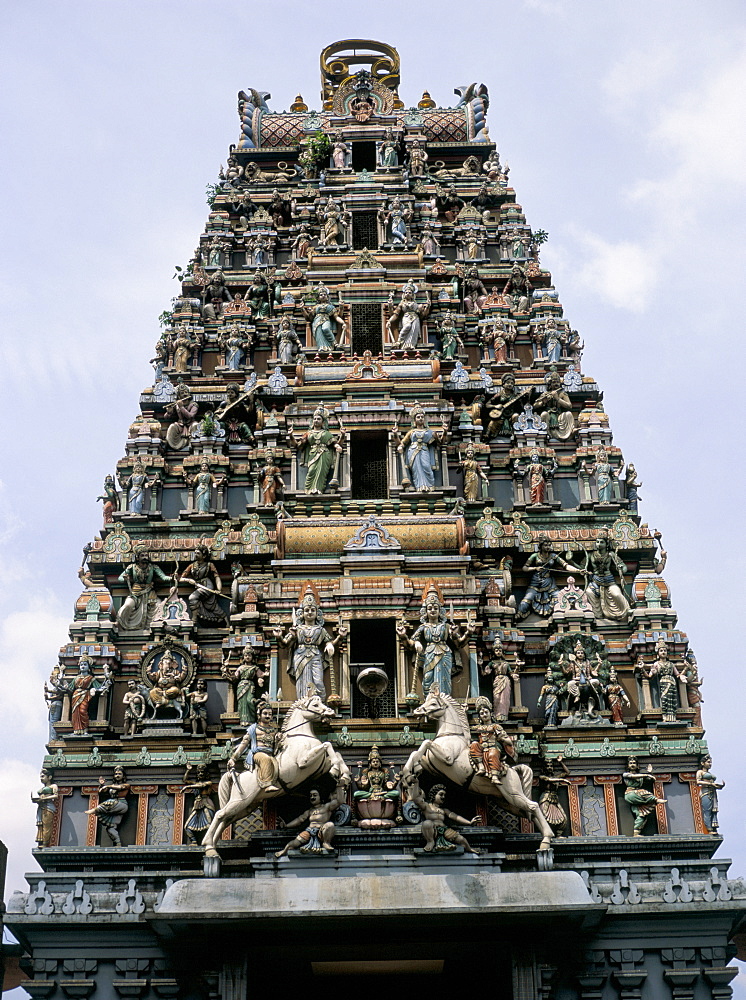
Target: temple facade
<point>374,677</point>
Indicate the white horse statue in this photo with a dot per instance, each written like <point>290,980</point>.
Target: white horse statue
<point>447,754</point>
<point>301,757</point>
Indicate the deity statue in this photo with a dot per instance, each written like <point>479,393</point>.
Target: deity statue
<point>203,483</point>
<point>136,484</point>
<point>183,411</point>
<point>134,709</point>
<point>319,833</point>
<point>110,498</point>
<point>429,245</point>
<point>288,342</point>
<point>197,700</point>
<point>475,294</point>
<point>419,450</point>
<point>473,473</point>
<point>605,596</point>
<point>503,672</point>
<point>301,245</point>
<point>517,290</point>
<point>693,685</point>
<point>112,806</point>
<point>434,642</point>
<point>407,317</point>
<point>538,476</point>
<point>244,208</point>
<point>449,202</point>
<point>203,600</point>
<point>341,153</point>
<point>83,688</point>
<point>396,216</point>
<point>270,480</point>
<point>556,774</point>
<point>214,294</point>
<point>584,684</point>
<point>139,606</point>
<point>260,745</point>
<point>503,406</point>
<point>250,679</point>
<point>492,748</point>
<point>55,690</point>
<point>279,209</point>
<point>641,801</point>
<point>439,835</point>
<point>388,154</point>
<point>604,473</point>
<point>167,677</point>
<point>708,786</point>
<point>555,408</point>
<point>616,699</point>
<point>551,340</point>
<point>323,318</point>
<point>238,412</point>
<point>235,343</point>
<point>491,165</point>
<point>334,220</point>
<point>417,159</point>
<point>496,342</point>
<point>46,808</point>
<point>668,676</point>
<point>376,797</point>
<point>318,446</point>
<point>542,589</point>
<point>450,342</point>
<point>258,295</point>
<point>550,693</point>
<point>312,647</point>
<point>202,812</point>
<point>631,486</point>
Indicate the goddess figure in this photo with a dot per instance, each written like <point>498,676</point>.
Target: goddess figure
<point>203,807</point>
<point>46,808</point>
<point>503,672</point>
<point>250,677</point>
<point>203,483</point>
<point>408,317</point>
<point>387,153</point>
<point>82,690</point>
<point>641,801</point>
<point>473,472</point>
<point>110,498</point>
<point>313,647</point>
<point>668,677</point>
<point>324,318</point>
<point>555,408</point>
<point>136,484</point>
<point>708,786</point>
<point>605,596</point>
<point>604,478</point>
<point>288,342</point>
<point>333,230</point>
<point>418,447</point>
<point>433,642</point>
<point>318,446</point>
<point>112,806</point>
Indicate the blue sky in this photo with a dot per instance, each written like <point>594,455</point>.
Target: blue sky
<point>623,125</point>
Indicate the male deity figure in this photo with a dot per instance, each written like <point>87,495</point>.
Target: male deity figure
<point>439,835</point>
<point>319,833</point>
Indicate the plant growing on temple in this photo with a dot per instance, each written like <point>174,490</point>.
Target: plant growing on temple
<point>211,190</point>
<point>165,318</point>
<point>314,150</point>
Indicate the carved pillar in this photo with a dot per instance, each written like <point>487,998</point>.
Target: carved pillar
<point>688,777</point>
<point>62,792</point>
<point>660,810</point>
<point>177,831</point>
<point>92,792</point>
<point>519,492</point>
<point>573,795</point>
<point>608,781</point>
<point>517,696</point>
<point>717,974</point>
<point>143,792</point>
<point>592,980</point>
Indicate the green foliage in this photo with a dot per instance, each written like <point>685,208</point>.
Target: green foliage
<point>211,191</point>
<point>539,237</point>
<point>166,317</point>
<point>314,149</point>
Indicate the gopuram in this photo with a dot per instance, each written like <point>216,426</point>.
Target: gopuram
<point>374,676</point>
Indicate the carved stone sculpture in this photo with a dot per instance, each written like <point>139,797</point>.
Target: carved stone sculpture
<point>407,318</point>
<point>139,606</point>
<point>438,823</point>
<point>376,796</point>
<point>312,647</point>
<point>46,800</point>
<point>112,806</point>
<point>250,680</point>
<point>418,448</point>
<point>434,642</point>
<point>708,786</point>
<point>502,672</point>
<point>203,576</point>
<point>134,709</point>
<point>203,807</point>
<point>542,588</point>
<point>641,801</point>
<point>319,833</point>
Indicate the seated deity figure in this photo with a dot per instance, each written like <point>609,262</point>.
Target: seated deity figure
<point>555,408</point>
<point>168,677</point>
<point>491,747</point>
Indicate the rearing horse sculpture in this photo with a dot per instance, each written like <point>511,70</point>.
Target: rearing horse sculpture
<point>301,757</point>
<point>447,755</point>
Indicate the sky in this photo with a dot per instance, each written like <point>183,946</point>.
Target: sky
<point>624,129</point>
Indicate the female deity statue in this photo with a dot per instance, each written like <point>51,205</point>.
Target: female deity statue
<point>491,745</point>
<point>203,807</point>
<point>668,678</point>
<point>550,693</point>
<point>408,317</point>
<point>136,484</point>
<point>429,245</point>
<point>235,344</point>
<point>604,475</point>
<point>473,472</point>
<point>288,342</point>
<point>110,498</point>
<point>376,796</point>
<point>616,698</point>
<point>555,409</point>
<point>537,479</point>
<point>556,774</point>
<point>271,481</point>
<point>475,294</point>
<point>433,642</point>
<point>46,808</point>
<point>450,342</point>
<point>183,344</point>
<point>203,575</point>
<point>301,245</point>
<point>203,483</point>
<point>323,318</point>
<point>496,342</point>
<point>388,152</point>
<point>250,679</point>
<point>82,689</point>
<point>708,786</point>
<point>542,589</point>
<point>503,673</point>
<point>517,290</point>
<point>313,647</point>
<point>318,446</point>
<point>333,229</point>
<point>551,340</point>
<point>183,411</point>
<point>693,684</point>
<point>397,216</point>
<point>341,153</point>
<point>631,486</point>
<point>419,450</point>
<point>417,160</point>
<point>605,596</point>
<point>258,295</point>
<point>112,806</point>
<point>641,801</point>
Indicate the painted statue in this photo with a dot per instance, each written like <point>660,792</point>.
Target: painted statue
<point>197,701</point>
<point>556,774</point>
<point>473,474</point>
<point>542,588</point>
<point>555,408</point>
<point>203,575</point>
<point>708,786</point>
<point>168,676</point>
<point>202,812</point>
<point>250,679</point>
<point>135,709</point>
<point>324,320</point>
<point>139,606</point>
<point>83,689</point>
<point>110,498</point>
<point>640,799</point>
<point>549,693</point>
<point>418,448</point>
<point>503,406</point>
<point>312,647</point>
<point>503,672</point>
<point>319,832</point>
<point>288,342</point>
<point>407,318</point>
<point>434,642</point>
<point>318,447</point>
<point>491,749</point>
<point>668,677</point>
<point>46,801</point>
<point>376,796</point>
<point>112,805</point>
<point>604,567</point>
<point>451,343</point>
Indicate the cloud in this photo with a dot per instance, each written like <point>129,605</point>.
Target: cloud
<point>18,780</point>
<point>623,273</point>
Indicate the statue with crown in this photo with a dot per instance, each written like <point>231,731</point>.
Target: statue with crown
<point>324,320</point>
<point>319,448</point>
<point>312,646</point>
